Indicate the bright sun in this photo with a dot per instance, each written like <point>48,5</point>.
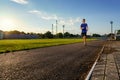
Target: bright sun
<point>7,24</point>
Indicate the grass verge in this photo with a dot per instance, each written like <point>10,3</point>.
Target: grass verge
<point>26,44</point>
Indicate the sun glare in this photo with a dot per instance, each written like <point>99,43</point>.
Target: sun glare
<point>7,24</point>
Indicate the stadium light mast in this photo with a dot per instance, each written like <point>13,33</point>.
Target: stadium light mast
<point>52,28</point>
<point>56,26</point>
<point>63,30</point>
<point>111,22</point>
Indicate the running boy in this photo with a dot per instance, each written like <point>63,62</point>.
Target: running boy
<point>84,28</point>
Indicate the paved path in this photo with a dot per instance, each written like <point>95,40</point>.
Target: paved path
<point>108,67</point>
<point>66,62</point>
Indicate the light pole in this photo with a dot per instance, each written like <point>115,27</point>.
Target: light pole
<point>52,28</point>
<point>111,22</point>
<point>56,26</point>
<point>63,30</point>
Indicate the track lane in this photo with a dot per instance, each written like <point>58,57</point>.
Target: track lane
<point>65,62</point>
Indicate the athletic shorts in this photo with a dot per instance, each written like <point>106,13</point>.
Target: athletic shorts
<point>83,34</point>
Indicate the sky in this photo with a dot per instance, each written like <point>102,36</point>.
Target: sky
<point>39,15</point>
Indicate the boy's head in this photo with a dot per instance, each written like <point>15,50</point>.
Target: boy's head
<point>83,20</point>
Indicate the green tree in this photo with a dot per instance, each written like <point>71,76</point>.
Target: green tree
<point>23,32</point>
<point>41,35</point>
<point>14,32</point>
<point>48,34</point>
<point>118,32</point>
<point>72,35</point>
<point>60,35</point>
<point>67,34</point>
<point>96,35</point>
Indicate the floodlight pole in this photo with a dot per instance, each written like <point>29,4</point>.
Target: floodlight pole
<point>63,30</point>
<point>111,22</point>
<point>56,26</point>
<point>52,28</point>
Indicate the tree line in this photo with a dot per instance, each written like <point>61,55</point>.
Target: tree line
<point>47,34</point>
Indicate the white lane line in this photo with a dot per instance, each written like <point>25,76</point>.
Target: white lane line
<point>91,70</point>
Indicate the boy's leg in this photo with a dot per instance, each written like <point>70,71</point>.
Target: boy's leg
<point>84,38</point>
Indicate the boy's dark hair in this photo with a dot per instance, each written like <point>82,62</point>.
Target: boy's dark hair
<point>83,19</point>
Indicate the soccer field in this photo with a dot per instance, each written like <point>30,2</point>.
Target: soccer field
<point>26,44</point>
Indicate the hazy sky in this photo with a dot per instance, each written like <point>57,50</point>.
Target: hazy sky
<point>39,15</point>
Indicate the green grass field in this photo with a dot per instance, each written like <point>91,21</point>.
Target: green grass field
<point>25,44</point>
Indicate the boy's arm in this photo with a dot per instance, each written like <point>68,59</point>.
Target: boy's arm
<point>80,27</point>
<point>87,28</point>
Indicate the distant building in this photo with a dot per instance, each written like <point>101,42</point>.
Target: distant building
<point>20,36</point>
<point>117,35</point>
<point>1,34</point>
